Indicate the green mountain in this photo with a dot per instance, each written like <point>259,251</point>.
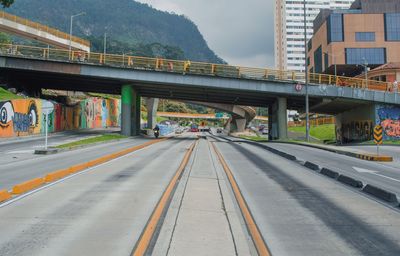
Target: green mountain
<point>131,27</point>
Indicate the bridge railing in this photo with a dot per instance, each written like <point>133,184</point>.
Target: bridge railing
<point>189,67</point>
<point>43,28</point>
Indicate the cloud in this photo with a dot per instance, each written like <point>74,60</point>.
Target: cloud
<point>240,32</point>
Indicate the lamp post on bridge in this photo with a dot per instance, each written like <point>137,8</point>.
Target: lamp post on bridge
<point>306,73</point>
<point>70,30</point>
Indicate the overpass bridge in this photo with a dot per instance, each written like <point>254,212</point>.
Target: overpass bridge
<point>136,77</point>
<point>32,30</point>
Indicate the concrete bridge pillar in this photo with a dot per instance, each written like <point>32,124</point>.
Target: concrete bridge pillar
<point>240,125</point>
<point>152,106</point>
<point>277,120</point>
<point>130,116</point>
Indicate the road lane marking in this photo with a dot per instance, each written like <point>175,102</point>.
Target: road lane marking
<point>148,232</point>
<point>362,170</point>
<point>76,173</point>
<point>255,233</point>
<point>23,187</point>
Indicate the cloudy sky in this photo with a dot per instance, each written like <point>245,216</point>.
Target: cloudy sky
<point>241,32</point>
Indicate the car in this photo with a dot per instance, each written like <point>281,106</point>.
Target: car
<point>219,130</point>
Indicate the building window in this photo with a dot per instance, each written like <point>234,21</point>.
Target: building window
<point>335,28</point>
<point>326,60</point>
<point>308,61</point>
<point>309,45</point>
<point>318,60</point>
<point>365,36</point>
<point>392,26</point>
<point>358,56</point>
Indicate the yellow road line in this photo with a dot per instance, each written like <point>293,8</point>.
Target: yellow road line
<point>144,241</point>
<point>258,240</point>
<point>59,174</point>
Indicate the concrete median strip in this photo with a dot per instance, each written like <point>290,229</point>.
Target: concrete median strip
<point>350,181</point>
<point>54,176</point>
<point>380,193</point>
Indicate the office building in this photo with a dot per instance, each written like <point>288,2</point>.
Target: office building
<point>350,42</point>
<point>289,29</point>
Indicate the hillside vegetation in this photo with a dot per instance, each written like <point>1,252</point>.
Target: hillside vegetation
<point>131,27</point>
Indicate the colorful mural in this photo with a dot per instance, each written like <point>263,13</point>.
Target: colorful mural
<point>24,116</point>
<point>389,118</point>
<point>355,131</point>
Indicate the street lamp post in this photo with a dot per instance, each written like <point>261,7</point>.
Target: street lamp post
<point>306,73</point>
<point>70,29</point>
<point>105,43</point>
<point>365,65</point>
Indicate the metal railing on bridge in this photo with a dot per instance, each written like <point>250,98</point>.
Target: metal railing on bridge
<point>189,67</point>
<point>43,28</point>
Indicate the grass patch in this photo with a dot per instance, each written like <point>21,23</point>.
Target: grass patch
<point>101,138</point>
<point>253,138</point>
<point>6,95</point>
<point>324,132</point>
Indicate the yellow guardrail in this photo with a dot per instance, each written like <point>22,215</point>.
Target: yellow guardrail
<point>43,28</point>
<point>190,67</point>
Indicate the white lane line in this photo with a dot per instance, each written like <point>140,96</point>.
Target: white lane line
<point>362,170</point>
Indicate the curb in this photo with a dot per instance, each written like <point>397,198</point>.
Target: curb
<point>380,193</point>
<point>350,181</point>
<point>330,173</point>
<point>311,166</point>
<point>54,176</point>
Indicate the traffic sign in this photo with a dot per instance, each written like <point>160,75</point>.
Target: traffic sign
<point>378,136</point>
<point>298,87</point>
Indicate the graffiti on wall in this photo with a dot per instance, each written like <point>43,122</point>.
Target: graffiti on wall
<point>19,117</point>
<point>24,116</point>
<point>389,118</point>
<point>355,131</point>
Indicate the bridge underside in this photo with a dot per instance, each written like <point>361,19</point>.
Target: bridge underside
<point>33,80</point>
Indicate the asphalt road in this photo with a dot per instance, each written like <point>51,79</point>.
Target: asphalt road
<point>21,148</point>
<point>300,212</point>
<point>103,211</point>
<point>99,212</point>
<point>374,173</point>
<point>20,170</point>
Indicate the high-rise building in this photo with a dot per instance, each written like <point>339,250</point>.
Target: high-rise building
<point>289,29</point>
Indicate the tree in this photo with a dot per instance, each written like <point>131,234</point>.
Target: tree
<point>6,3</point>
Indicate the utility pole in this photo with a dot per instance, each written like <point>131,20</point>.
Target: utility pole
<point>105,43</point>
<point>306,73</point>
<point>70,29</point>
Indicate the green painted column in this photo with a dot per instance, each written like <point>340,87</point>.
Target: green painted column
<point>136,114</point>
<point>126,110</point>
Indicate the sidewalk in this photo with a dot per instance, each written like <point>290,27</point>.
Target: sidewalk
<point>202,218</point>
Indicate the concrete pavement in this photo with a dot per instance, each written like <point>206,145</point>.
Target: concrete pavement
<point>384,175</point>
<point>21,170</point>
<point>302,213</point>
<point>99,212</point>
<point>22,148</point>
